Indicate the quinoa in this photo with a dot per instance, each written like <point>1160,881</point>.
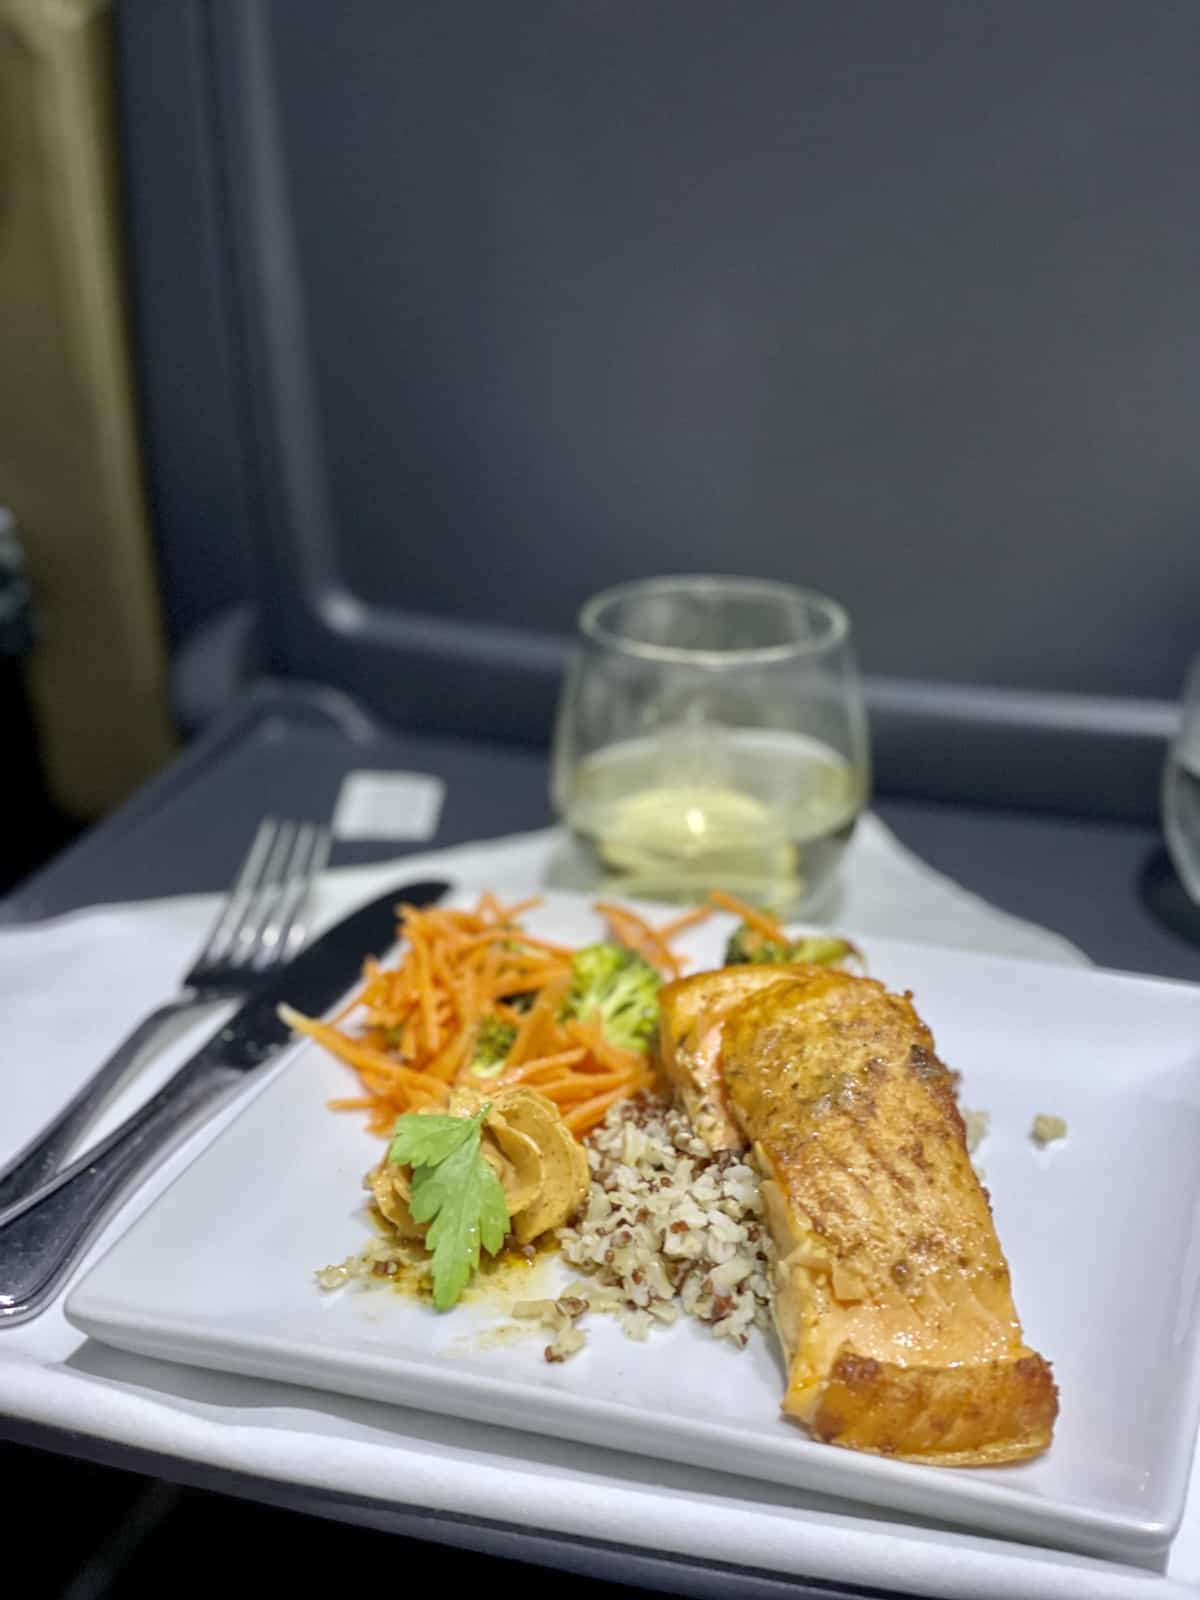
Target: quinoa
<point>385,1256</point>
<point>669,1228</point>
<point>1046,1129</point>
<point>560,1316</point>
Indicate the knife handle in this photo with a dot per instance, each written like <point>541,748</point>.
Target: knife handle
<point>42,1236</point>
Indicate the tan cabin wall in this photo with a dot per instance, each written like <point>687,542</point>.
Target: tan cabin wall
<point>69,456</point>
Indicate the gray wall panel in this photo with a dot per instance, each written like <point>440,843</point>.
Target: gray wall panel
<point>899,300</point>
<point>450,314</point>
<point>187,359</point>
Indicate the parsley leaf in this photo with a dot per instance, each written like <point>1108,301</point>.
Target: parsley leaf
<point>456,1192</point>
<point>423,1141</point>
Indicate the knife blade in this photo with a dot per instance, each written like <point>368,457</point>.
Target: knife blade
<point>42,1234</point>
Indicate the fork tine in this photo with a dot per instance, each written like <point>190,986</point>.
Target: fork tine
<point>264,901</point>
<point>294,925</point>
<point>272,938</point>
<point>233,908</point>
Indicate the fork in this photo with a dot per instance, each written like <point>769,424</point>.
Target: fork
<point>259,926</point>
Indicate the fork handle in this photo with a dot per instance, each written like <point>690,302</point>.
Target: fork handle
<point>41,1237</point>
<point>43,1156</point>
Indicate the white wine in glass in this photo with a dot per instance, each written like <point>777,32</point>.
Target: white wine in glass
<point>711,735</point>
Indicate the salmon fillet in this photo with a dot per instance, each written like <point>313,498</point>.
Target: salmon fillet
<point>892,1294</point>
<point>691,1014</point>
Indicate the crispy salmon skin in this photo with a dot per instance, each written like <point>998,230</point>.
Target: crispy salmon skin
<point>892,1294</point>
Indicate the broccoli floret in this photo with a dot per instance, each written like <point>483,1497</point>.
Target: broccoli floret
<point>826,951</point>
<point>621,988</point>
<point>492,1044</point>
<point>748,945</point>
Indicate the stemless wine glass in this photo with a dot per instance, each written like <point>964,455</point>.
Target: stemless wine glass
<point>711,734</point>
<point>1181,788</point>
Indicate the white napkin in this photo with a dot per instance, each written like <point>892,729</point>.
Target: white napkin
<point>71,987</point>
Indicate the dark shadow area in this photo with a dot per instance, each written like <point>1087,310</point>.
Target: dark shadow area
<point>89,1532</point>
<point>58,1512</point>
<point>1165,898</point>
<point>32,828</point>
<point>304,1555</point>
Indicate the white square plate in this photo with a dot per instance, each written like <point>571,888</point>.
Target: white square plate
<point>1100,1231</point>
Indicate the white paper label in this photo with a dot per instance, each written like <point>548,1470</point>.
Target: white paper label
<point>388,805</point>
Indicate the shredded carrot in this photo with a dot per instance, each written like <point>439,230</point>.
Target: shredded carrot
<point>575,1086</point>
<point>522,906</point>
<point>424,985</point>
<point>590,1034</point>
<point>411,1031</point>
<point>689,919</point>
<point>447,1066</point>
<point>343,1011</point>
<point>760,921</point>
<point>582,1119</point>
<point>543,1016</point>
<point>540,1064</point>
<point>546,944</point>
<point>355,1051</point>
<point>630,929</point>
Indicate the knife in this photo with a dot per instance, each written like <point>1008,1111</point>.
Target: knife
<point>41,1235</point>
